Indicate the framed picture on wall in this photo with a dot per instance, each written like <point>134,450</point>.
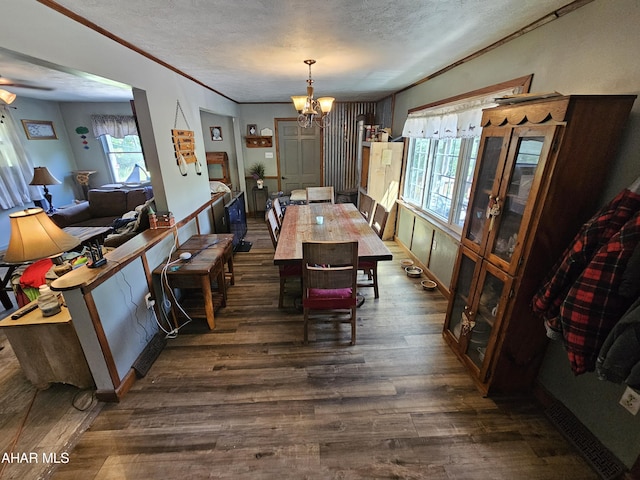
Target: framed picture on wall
<point>39,130</point>
<point>216,133</point>
<point>252,129</point>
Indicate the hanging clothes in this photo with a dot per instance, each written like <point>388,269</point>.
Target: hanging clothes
<point>592,236</point>
<point>593,304</point>
<point>619,358</point>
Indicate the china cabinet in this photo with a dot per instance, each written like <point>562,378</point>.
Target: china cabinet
<point>540,169</point>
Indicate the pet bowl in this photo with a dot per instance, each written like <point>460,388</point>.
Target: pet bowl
<point>428,284</point>
<point>407,262</point>
<point>413,272</point>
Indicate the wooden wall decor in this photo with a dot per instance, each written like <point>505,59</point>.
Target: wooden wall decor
<point>184,145</point>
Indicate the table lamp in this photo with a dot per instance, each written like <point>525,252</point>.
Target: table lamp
<point>34,236</point>
<point>42,176</point>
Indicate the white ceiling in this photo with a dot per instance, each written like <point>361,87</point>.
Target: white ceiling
<point>253,51</point>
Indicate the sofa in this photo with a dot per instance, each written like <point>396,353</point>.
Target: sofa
<point>102,208</point>
<point>106,208</point>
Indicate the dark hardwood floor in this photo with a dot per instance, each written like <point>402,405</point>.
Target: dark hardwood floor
<point>249,400</point>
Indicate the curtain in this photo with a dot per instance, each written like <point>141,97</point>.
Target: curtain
<point>118,126</point>
<point>16,168</point>
<point>459,119</point>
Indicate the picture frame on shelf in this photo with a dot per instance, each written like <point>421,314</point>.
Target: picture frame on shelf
<point>39,130</point>
<point>216,133</point>
<point>252,129</point>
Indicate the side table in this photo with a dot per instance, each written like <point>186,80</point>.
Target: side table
<point>204,272</point>
<point>48,349</point>
<point>257,194</point>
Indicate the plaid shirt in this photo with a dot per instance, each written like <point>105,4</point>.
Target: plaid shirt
<point>549,300</point>
<point>593,305</point>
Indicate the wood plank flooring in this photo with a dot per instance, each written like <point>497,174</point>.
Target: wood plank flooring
<point>249,400</point>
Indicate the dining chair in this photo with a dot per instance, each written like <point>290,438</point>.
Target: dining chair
<point>320,194</point>
<point>329,277</point>
<point>379,221</point>
<point>285,272</point>
<point>366,206</point>
<point>277,207</point>
<point>370,268</point>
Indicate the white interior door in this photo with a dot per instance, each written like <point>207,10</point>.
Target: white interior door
<point>299,156</point>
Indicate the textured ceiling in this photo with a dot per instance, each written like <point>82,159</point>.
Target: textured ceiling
<point>253,51</point>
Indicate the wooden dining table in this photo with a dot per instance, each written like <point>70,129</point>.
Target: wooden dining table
<point>340,222</point>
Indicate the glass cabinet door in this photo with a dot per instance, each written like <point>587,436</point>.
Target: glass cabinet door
<point>459,306</point>
<point>528,150</point>
<point>487,306</point>
<point>487,180</point>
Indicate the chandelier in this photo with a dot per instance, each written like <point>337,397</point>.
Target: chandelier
<point>312,111</point>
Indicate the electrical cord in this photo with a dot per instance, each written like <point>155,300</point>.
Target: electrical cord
<point>16,437</point>
<point>166,303</point>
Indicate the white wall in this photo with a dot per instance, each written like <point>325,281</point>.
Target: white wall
<point>590,51</point>
<point>227,144</point>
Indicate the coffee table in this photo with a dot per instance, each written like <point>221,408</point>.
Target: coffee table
<point>88,234</point>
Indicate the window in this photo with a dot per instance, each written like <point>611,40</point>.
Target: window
<point>444,138</point>
<point>439,175</point>
<point>121,144</point>
<point>123,154</point>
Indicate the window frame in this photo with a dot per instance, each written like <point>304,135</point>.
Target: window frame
<point>523,83</point>
<point>457,193</point>
<point>106,141</point>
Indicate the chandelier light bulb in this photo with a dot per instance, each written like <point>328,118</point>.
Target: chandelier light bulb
<point>312,111</point>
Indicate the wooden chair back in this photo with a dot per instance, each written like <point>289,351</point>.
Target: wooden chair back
<point>366,206</point>
<point>330,265</point>
<point>329,283</point>
<point>320,194</point>
<point>379,222</point>
<point>277,207</point>
<point>274,227</point>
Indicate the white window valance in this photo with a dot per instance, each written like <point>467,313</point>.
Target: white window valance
<point>454,119</point>
<point>118,126</point>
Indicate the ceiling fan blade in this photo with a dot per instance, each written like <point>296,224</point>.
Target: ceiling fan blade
<point>24,85</point>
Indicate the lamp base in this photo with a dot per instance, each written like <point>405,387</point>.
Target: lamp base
<point>49,199</point>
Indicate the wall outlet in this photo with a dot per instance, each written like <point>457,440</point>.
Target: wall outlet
<point>631,400</point>
<point>150,301</point>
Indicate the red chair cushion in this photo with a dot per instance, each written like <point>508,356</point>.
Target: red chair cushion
<point>328,299</point>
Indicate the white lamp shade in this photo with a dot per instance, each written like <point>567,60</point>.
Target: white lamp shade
<point>299,102</point>
<point>34,236</point>
<point>325,104</point>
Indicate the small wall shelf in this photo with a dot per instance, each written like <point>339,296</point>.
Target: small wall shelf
<point>258,141</point>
